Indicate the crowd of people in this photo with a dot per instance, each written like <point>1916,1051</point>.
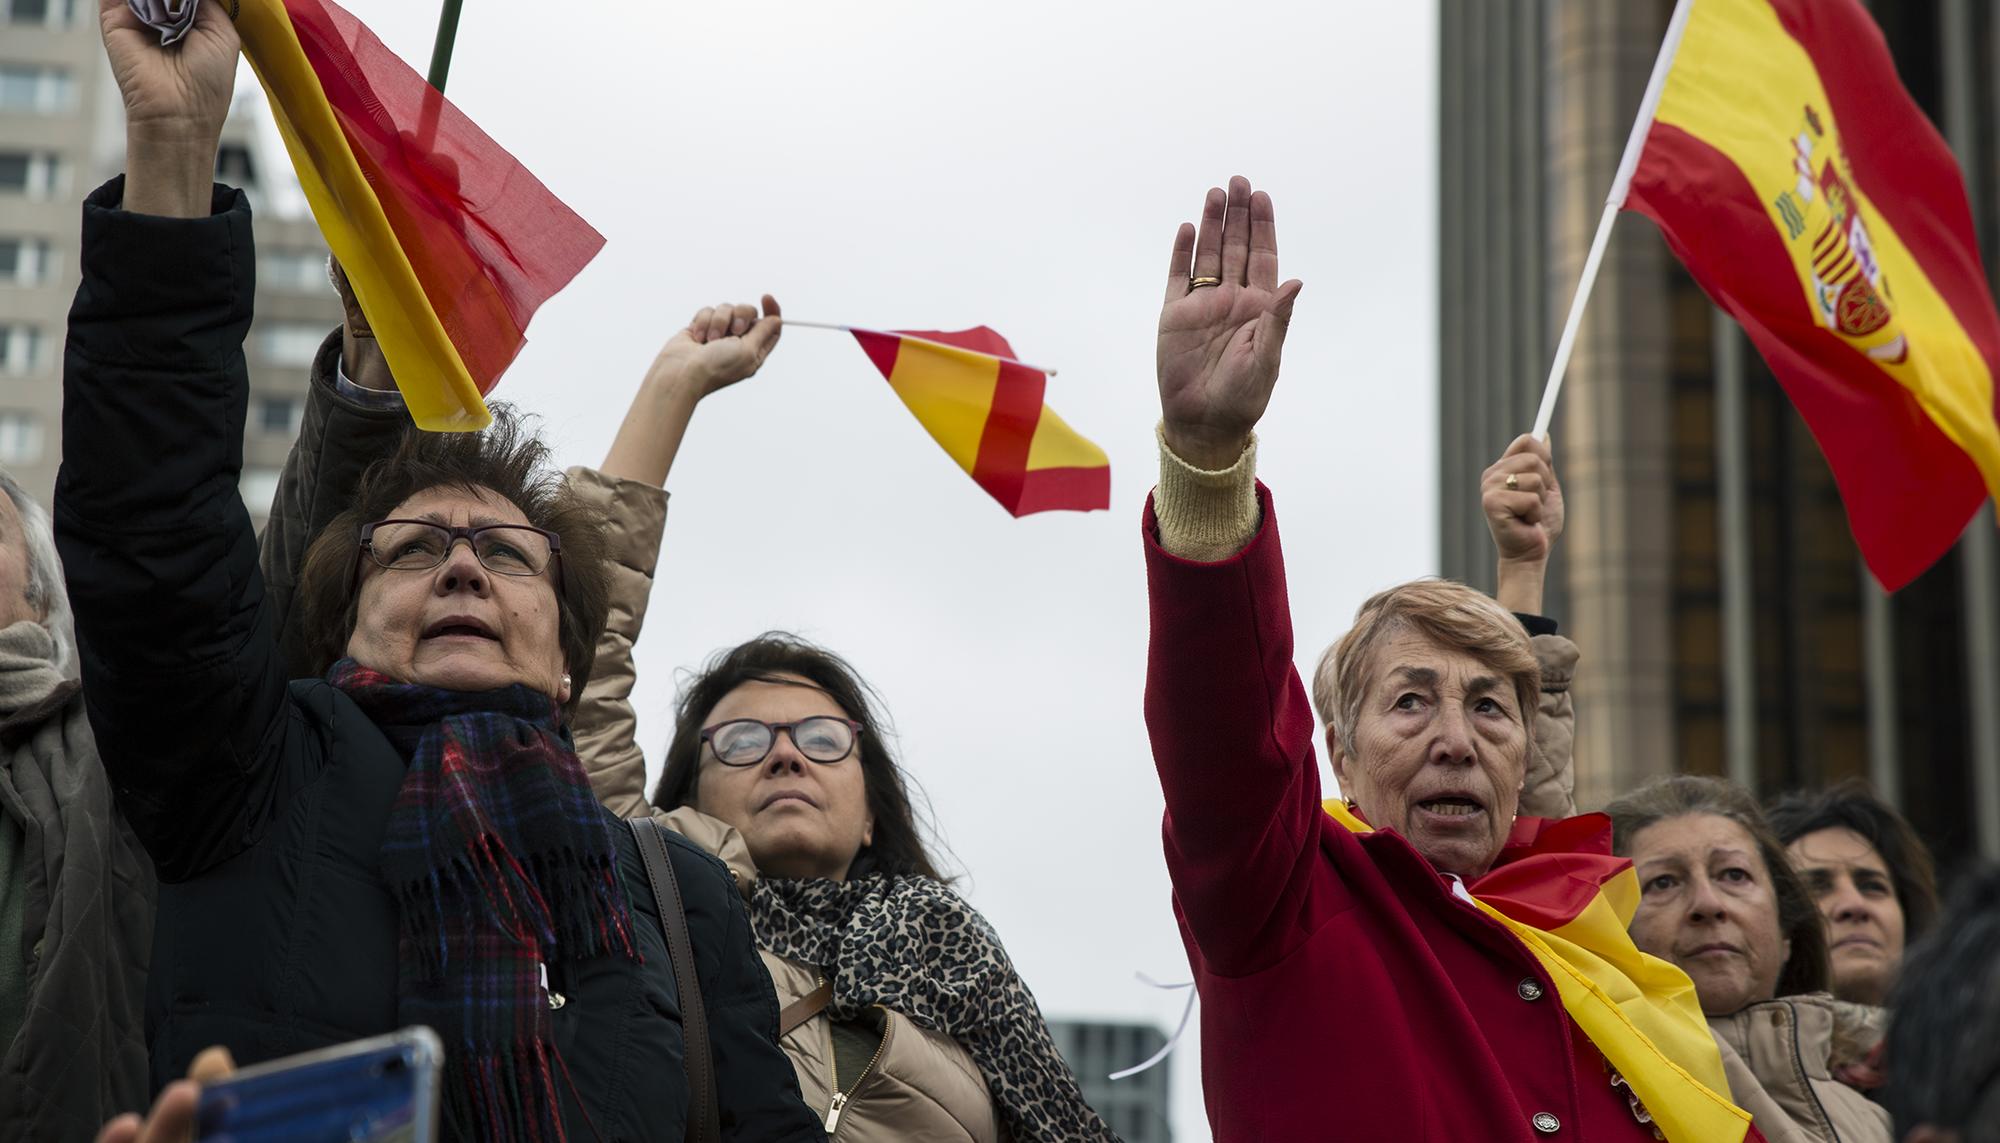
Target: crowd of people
<point>381,769</point>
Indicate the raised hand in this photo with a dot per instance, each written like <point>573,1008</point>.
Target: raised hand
<point>176,99</point>
<point>721,346</point>
<point>1219,344</point>
<point>1525,518</point>
<point>361,357</point>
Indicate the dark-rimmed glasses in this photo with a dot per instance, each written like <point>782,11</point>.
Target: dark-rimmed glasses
<point>747,741</point>
<point>420,545</point>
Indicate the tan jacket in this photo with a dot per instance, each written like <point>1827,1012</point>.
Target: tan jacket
<point>922,1087</point>
<point>1550,788</point>
<point>1780,1056</point>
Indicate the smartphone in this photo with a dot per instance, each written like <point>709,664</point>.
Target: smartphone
<point>379,1090</point>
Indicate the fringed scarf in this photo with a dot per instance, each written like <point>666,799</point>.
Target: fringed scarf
<point>912,945</point>
<point>502,862</point>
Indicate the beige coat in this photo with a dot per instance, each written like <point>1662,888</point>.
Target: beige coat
<point>922,1087</point>
<point>1780,1056</point>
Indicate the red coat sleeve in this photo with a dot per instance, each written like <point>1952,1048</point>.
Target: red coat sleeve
<point>1232,736</point>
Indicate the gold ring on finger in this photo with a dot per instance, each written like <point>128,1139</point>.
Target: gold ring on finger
<point>1513,482</point>
<point>1198,283</point>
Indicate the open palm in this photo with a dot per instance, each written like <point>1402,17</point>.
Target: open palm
<point>1219,345</point>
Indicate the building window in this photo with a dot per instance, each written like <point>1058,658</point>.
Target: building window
<point>52,13</point>
<point>26,261</point>
<point>233,166</point>
<point>290,343</point>
<point>20,437</point>
<point>280,415</point>
<point>45,90</point>
<point>293,271</point>
<point>33,173</point>
<point>23,349</point>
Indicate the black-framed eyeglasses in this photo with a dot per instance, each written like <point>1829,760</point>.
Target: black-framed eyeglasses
<point>747,741</point>
<point>420,545</point>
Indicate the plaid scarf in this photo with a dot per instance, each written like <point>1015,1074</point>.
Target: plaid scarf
<point>912,945</point>
<point>502,862</point>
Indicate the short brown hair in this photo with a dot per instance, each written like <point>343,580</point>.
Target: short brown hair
<point>1682,794</point>
<point>507,459</point>
<point>1450,614</point>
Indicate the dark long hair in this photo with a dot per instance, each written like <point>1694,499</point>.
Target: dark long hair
<point>1798,918</point>
<point>506,459</point>
<point>780,657</point>
<point>1853,806</point>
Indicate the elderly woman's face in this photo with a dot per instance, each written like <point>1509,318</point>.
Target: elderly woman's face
<point>1441,749</point>
<point>458,626</point>
<point>800,818</point>
<point>1864,922</point>
<point>1706,903</point>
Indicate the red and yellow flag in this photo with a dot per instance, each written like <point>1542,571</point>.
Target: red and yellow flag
<point>1810,197</point>
<point>1560,892</point>
<point>450,244</point>
<point>986,410</point>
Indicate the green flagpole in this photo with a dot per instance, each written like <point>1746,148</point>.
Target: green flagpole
<point>441,51</point>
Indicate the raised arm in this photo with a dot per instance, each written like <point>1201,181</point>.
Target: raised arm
<point>1230,726</point>
<point>1523,504</point>
<point>180,673</point>
<point>720,346</point>
<point>354,417</point>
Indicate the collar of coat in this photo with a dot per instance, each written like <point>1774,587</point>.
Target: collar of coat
<point>1557,888</point>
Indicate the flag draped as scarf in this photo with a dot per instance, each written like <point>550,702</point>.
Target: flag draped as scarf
<point>1813,201</point>
<point>1560,892</point>
<point>450,244</point>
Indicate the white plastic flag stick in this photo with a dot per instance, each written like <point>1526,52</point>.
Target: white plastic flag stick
<point>1167,1047</point>
<point>924,340</point>
<point>1613,203</point>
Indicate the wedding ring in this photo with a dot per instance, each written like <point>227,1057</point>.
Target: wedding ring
<point>1198,283</point>
<point>1512,483</point>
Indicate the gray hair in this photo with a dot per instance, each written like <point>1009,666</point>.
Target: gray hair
<point>1943,1046</point>
<point>46,589</point>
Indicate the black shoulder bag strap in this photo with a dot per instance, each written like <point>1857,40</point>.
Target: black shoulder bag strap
<point>704,1117</point>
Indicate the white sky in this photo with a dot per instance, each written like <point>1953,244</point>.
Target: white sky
<point>907,164</point>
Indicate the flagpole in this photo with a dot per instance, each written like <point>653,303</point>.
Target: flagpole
<point>1635,144</point>
<point>913,337</point>
<point>447,35</point>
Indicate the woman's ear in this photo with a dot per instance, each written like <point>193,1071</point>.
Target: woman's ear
<point>1338,757</point>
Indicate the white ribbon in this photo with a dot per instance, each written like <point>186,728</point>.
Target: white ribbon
<point>1167,1048</point>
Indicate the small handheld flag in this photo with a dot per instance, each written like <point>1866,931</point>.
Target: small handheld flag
<point>449,242</point>
<point>985,409</point>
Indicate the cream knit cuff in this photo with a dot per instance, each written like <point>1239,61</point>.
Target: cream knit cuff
<point>1205,516</point>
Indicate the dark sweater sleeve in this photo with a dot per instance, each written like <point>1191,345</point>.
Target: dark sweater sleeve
<point>1232,737</point>
<point>181,677</point>
<point>757,1089</point>
<point>338,439</point>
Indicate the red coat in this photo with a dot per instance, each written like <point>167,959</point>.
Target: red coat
<point>1346,995</point>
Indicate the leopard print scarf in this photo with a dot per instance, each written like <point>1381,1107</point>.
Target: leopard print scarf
<point>913,946</point>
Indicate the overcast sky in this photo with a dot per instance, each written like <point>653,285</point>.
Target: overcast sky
<point>941,165</point>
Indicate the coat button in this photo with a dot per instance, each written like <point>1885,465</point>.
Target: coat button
<point>1546,1123</point>
<point>1529,989</point>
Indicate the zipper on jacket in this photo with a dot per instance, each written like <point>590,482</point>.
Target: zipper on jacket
<point>841,1098</point>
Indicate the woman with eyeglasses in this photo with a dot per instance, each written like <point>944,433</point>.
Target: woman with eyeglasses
<point>407,837</point>
<point>902,1015</point>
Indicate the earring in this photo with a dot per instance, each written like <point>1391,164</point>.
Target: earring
<point>565,680</point>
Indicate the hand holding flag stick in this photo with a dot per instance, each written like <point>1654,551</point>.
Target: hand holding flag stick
<point>1220,340</point>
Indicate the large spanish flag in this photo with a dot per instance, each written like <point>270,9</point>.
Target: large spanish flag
<point>1559,891</point>
<point>1803,188</point>
<point>986,410</point>
<point>450,244</point>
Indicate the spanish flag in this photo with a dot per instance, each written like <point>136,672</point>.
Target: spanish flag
<point>450,244</point>
<point>1809,196</point>
<point>1560,892</point>
<point>986,410</point>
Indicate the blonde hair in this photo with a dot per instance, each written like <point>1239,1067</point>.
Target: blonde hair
<point>1448,613</point>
